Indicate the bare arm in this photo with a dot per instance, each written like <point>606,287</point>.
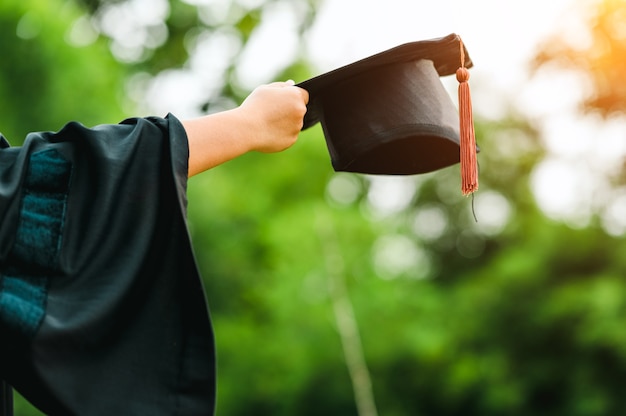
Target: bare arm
<point>269,120</point>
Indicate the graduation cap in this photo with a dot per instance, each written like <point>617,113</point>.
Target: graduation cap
<point>390,113</point>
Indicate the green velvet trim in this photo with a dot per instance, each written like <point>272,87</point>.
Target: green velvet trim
<point>34,258</point>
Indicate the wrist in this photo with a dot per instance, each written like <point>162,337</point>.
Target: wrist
<point>247,129</point>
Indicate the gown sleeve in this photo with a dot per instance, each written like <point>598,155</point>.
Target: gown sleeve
<point>102,309</point>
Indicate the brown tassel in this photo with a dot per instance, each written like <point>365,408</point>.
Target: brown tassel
<point>469,164</point>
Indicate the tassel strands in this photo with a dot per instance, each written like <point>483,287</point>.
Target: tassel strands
<point>469,163</point>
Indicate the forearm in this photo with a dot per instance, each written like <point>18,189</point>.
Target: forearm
<point>215,139</point>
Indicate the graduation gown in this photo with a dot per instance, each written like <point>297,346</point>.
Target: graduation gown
<point>102,310</point>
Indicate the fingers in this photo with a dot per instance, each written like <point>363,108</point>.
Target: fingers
<point>303,92</point>
<point>280,84</point>
<point>290,83</point>
<point>305,95</point>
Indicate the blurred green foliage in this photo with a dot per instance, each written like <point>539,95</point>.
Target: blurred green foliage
<point>45,81</point>
<point>513,314</point>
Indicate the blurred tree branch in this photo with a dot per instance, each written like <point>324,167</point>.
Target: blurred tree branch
<point>345,318</point>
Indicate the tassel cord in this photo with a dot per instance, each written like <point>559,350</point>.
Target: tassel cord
<point>469,164</point>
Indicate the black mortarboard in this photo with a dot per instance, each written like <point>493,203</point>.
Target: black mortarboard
<point>390,113</point>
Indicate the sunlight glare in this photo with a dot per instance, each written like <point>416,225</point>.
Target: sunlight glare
<point>564,190</point>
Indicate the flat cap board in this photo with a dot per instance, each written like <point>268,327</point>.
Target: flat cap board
<point>389,113</point>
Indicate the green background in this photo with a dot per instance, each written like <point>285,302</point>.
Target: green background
<point>314,292</point>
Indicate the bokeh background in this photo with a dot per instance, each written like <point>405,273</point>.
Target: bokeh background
<point>344,294</point>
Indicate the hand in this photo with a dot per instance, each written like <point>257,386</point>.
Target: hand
<point>276,115</point>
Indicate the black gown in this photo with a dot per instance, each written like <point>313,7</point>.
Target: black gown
<point>102,310</point>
